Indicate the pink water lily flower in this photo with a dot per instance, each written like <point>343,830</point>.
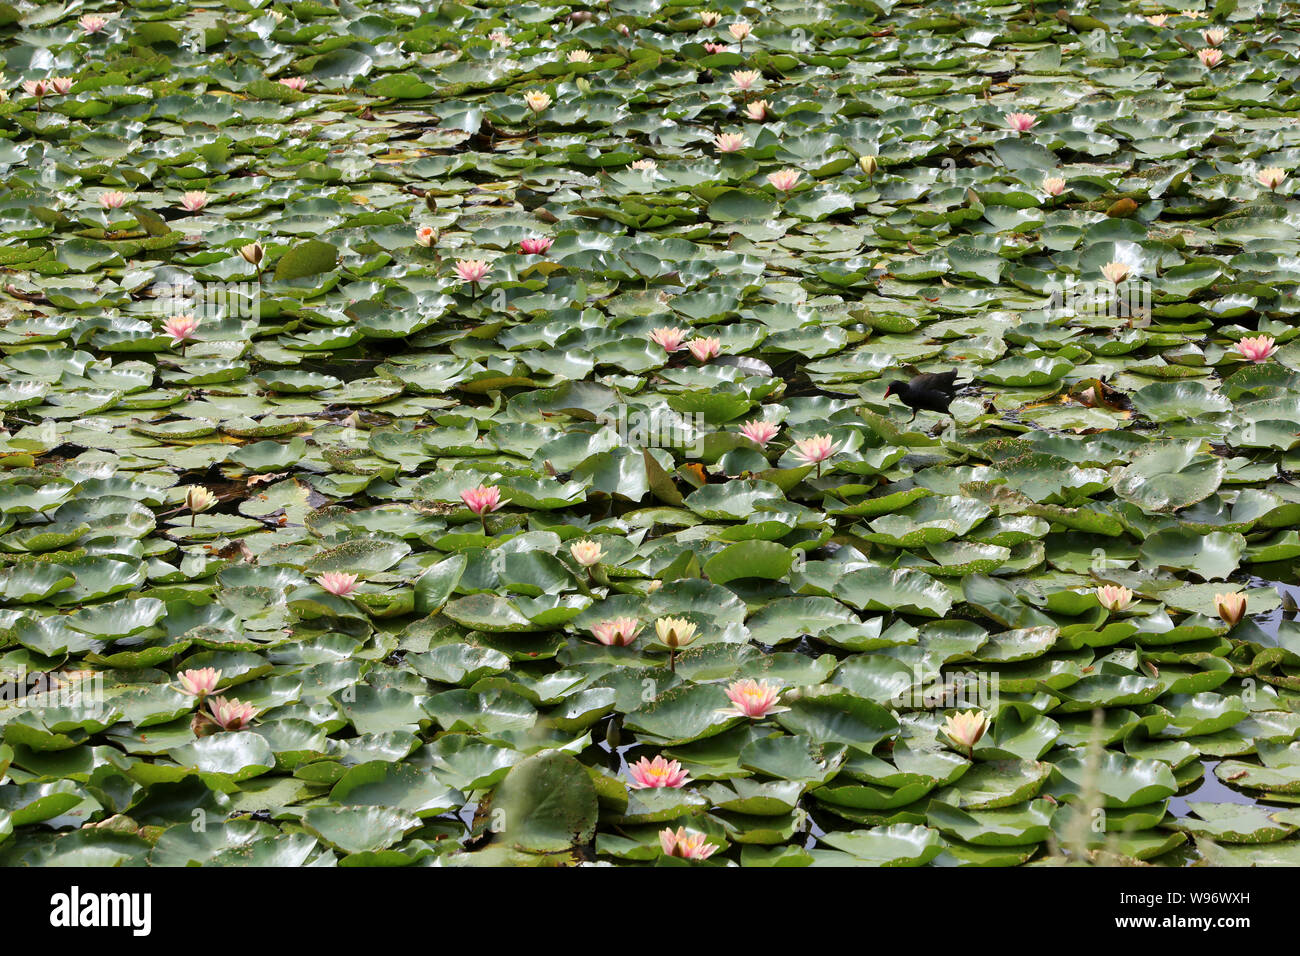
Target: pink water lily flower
<point>745,79</point>
<point>472,270</point>
<point>729,142</point>
<point>298,83</point>
<point>483,500</point>
<point>740,30</point>
<point>115,199</point>
<point>816,449</point>
<point>579,56</point>
<point>670,339</point>
<point>61,84</point>
<point>1053,185</point>
<point>537,100</point>
<point>198,682</point>
<point>784,179</point>
<point>686,844</point>
<point>36,88</point>
<point>757,110</point>
<point>619,632</point>
<point>1210,57</point>
<point>501,39</point>
<point>1116,272</point>
<point>657,773</point>
<point>966,729</point>
<point>586,552</point>
<point>705,349</point>
<point>1272,177</point>
<point>232,714</point>
<point>1114,597</point>
<point>716,48</point>
<point>760,431</point>
<point>194,200</point>
<point>1215,37</point>
<point>426,236</point>
<point>536,246</point>
<point>753,699</point>
<point>1159,20</point>
<point>1021,122</point>
<point>1231,607</point>
<point>92,24</point>
<point>710,18</point>
<point>1259,348</point>
<point>181,328</point>
<point>644,165</point>
<point>337,582</point>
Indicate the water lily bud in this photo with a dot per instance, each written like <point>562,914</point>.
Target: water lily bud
<point>868,164</point>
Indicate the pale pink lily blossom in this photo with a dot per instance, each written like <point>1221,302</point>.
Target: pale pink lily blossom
<point>1231,607</point>
<point>740,30</point>
<point>536,245</point>
<point>1215,37</point>
<point>686,844</point>
<point>757,110</point>
<point>784,179</point>
<point>61,84</point>
<point>115,199</point>
<point>586,552</point>
<point>1272,177</point>
<point>1114,597</point>
<point>1116,272</point>
<point>745,79</point>
<point>705,349</point>
<point>198,682</point>
<point>36,88</point>
<point>1053,185</point>
<point>1021,122</point>
<point>816,449</point>
<point>194,200</point>
<point>669,339</point>
<point>1258,348</point>
<point>181,328</point>
<point>1210,57</point>
<point>298,83</point>
<point>966,729</point>
<point>759,431</point>
<point>92,24</point>
<point>483,500</point>
<point>337,583</point>
<point>716,48</point>
<point>230,714</point>
<point>656,774</point>
<point>753,699</point>
<point>618,632</point>
<point>426,236</point>
<point>729,142</point>
<point>472,271</point>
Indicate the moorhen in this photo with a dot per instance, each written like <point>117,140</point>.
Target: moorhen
<point>932,391</point>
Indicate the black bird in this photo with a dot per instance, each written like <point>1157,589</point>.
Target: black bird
<point>933,391</point>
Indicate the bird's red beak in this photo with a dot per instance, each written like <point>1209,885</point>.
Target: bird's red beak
<point>889,390</point>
